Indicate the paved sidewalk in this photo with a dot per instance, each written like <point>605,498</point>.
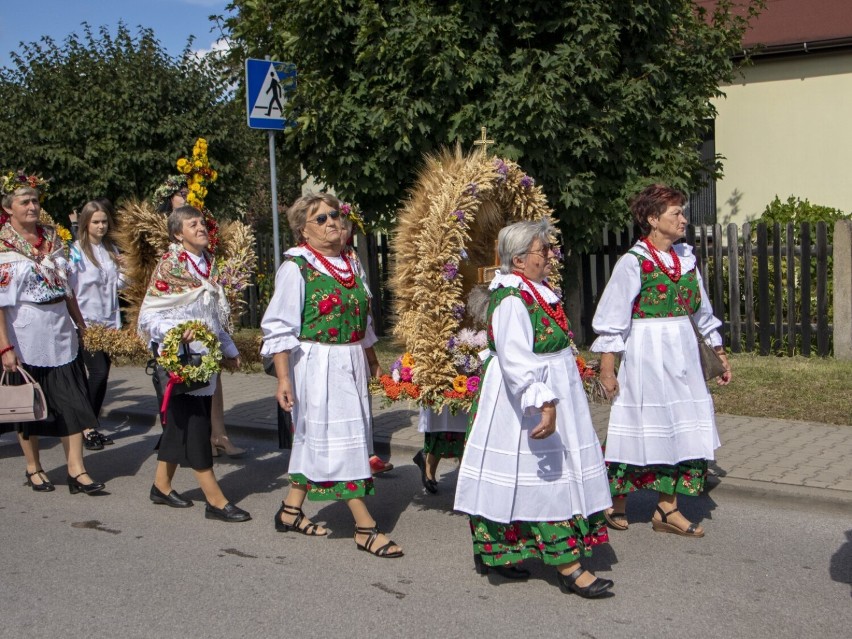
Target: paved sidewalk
<point>757,455</point>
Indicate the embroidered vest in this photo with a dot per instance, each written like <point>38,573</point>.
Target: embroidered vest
<point>332,314</point>
<point>548,336</point>
<point>658,294</point>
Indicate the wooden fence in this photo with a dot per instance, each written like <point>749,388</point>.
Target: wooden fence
<point>780,288</point>
<point>771,286</point>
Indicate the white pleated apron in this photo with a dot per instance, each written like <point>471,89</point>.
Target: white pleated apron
<point>331,415</point>
<point>663,413</point>
<point>505,476</point>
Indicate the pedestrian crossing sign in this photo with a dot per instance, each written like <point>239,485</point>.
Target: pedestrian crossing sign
<point>268,84</point>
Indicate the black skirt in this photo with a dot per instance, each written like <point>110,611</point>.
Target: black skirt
<point>66,392</point>
<point>186,436</point>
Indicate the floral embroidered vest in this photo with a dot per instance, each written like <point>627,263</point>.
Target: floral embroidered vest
<point>332,314</point>
<point>549,337</point>
<point>658,295</point>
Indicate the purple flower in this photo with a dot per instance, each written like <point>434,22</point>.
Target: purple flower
<point>472,189</point>
<point>345,209</point>
<point>463,254</point>
<point>397,365</point>
<point>459,215</point>
<point>557,253</point>
<point>450,271</point>
<point>451,343</point>
<point>502,169</point>
<point>458,311</point>
<point>527,181</point>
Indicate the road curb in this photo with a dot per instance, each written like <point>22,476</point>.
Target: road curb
<point>802,496</point>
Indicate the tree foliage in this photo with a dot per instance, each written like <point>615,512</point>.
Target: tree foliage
<point>591,97</point>
<point>106,115</point>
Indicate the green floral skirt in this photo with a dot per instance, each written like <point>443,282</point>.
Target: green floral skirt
<point>334,490</point>
<point>554,542</point>
<point>444,444</point>
<point>686,478</point>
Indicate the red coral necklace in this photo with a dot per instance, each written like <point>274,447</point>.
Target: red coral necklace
<point>202,274</point>
<point>672,273</point>
<point>345,276</point>
<point>557,314</point>
<point>34,248</point>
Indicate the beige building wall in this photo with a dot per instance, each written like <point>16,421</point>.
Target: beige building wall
<point>786,129</point>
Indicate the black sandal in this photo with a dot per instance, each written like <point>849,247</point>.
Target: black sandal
<point>368,546</point>
<point>664,526</point>
<point>310,529</point>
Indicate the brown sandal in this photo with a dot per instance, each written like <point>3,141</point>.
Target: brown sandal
<point>616,521</point>
<point>371,539</point>
<point>664,526</point>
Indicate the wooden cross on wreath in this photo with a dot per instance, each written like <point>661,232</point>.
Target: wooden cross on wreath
<point>483,142</point>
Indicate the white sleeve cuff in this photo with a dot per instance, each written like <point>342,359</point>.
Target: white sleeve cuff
<point>283,344</point>
<point>608,344</point>
<point>535,396</point>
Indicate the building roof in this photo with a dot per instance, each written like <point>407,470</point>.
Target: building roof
<point>788,24</point>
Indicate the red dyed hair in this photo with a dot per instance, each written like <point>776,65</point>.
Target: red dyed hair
<point>653,201</point>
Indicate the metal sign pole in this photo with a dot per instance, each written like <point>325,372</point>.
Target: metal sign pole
<point>276,242</point>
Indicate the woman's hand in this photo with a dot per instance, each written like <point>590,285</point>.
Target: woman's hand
<point>547,426</point>
<point>609,382</point>
<point>375,369</point>
<point>188,336</point>
<point>10,361</point>
<point>232,363</point>
<point>725,378</point>
<point>284,395</point>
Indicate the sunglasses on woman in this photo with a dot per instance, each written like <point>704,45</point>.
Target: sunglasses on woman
<point>322,218</point>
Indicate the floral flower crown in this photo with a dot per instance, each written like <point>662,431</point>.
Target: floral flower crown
<point>351,212</point>
<point>198,173</point>
<point>11,181</point>
<point>172,185</point>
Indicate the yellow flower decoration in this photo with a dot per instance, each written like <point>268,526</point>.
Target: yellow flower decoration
<point>408,360</point>
<point>199,173</point>
<point>460,383</point>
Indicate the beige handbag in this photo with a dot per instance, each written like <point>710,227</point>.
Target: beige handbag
<point>23,403</point>
<point>711,364</point>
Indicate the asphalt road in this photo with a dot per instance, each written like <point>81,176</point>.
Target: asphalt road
<point>117,566</point>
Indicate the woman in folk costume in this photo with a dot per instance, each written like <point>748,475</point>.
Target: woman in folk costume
<point>662,430</point>
<point>38,313</point>
<point>185,286</point>
<point>171,194</point>
<point>316,328</point>
<point>532,477</point>
<point>96,277</point>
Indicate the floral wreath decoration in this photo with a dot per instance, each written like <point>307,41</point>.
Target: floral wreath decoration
<point>211,361</point>
<point>11,181</point>
<point>447,225</point>
<point>353,213</point>
<point>172,185</point>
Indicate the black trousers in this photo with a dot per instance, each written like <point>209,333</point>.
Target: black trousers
<point>97,364</point>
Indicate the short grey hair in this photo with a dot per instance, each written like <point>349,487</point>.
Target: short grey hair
<point>8,198</point>
<point>297,214</point>
<point>516,239</point>
<point>177,218</point>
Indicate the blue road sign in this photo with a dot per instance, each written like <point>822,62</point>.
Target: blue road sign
<point>268,84</point>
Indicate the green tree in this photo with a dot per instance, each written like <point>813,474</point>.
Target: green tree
<point>108,115</point>
<point>591,97</point>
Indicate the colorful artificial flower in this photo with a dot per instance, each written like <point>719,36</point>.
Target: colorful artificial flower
<point>460,384</point>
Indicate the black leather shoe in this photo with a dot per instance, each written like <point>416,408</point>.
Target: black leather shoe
<point>228,513</point>
<point>507,572</point>
<point>598,588</point>
<point>44,487</point>
<point>75,486</point>
<point>91,441</point>
<point>429,484</point>
<point>173,499</point>
<point>105,440</point>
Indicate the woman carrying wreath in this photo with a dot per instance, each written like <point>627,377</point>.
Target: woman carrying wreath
<point>37,333</point>
<point>662,430</point>
<point>316,328</point>
<point>185,288</point>
<point>532,478</point>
